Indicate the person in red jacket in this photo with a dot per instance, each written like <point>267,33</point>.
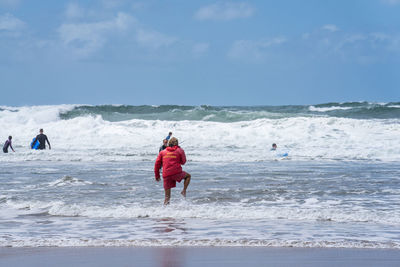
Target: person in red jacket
<point>171,159</point>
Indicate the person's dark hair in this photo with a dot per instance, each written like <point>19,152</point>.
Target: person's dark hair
<point>10,137</point>
<point>41,130</point>
<point>273,144</point>
<point>169,133</point>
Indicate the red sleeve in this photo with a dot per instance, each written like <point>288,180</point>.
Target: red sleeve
<point>158,165</point>
<point>183,156</point>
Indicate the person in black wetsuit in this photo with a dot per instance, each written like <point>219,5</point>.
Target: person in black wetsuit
<point>274,147</point>
<point>8,144</point>
<point>164,145</point>
<point>42,138</point>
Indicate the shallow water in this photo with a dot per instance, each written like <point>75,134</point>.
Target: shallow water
<point>268,203</point>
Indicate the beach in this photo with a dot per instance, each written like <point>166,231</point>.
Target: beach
<point>196,256</point>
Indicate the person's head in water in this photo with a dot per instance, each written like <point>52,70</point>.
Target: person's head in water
<point>173,142</point>
<point>170,133</point>
<point>274,146</point>
<point>41,131</point>
<point>10,137</point>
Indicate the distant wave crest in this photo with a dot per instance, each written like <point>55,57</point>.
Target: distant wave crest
<point>355,110</point>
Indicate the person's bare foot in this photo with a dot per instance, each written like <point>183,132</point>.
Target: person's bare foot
<point>183,193</point>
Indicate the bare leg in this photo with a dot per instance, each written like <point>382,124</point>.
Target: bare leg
<point>186,184</point>
<point>167,196</point>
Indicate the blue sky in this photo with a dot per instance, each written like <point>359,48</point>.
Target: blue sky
<point>199,52</point>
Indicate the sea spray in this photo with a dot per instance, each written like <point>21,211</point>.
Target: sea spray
<point>347,131</point>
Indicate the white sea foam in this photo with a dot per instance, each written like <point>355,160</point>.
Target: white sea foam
<point>90,138</point>
<point>316,223</point>
<point>68,180</point>
<point>204,242</point>
<point>311,211</point>
<point>312,108</point>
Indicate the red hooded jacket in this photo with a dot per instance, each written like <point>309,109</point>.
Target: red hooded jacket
<point>170,159</point>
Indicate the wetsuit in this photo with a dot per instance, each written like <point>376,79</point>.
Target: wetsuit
<point>6,145</point>
<point>162,148</point>
<point>42,138</point>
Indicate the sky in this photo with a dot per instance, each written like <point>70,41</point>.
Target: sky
<point>156,52</point>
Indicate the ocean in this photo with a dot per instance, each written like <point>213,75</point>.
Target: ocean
<point>339,185</point>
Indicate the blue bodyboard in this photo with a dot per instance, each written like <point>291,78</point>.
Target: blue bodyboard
<point>35,145</point>
<point>282,155</point>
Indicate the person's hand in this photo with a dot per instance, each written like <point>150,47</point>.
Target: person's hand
<point>158,179</point>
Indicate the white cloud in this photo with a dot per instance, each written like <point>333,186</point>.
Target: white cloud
<point>86,38</point>
<point>379,36</point>
<point>153,39</point>
<point>10,23</point>
<point>391,2</point>
<point>379,40</point>
<point>73,10</point>
<point>363,48</point>
<point>351,41</point>
<point>305,36</point>
<point>139,5</point>
<point>112,3</point>
<point>253,50</point>
<point>200,48</point>
<point>330,27</point>
<point>224,11</point>
<point>9,3</point>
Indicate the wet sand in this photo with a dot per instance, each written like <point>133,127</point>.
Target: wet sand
<point>197,256</point>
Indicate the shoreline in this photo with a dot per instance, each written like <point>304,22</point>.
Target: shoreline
<point>196,256</point>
